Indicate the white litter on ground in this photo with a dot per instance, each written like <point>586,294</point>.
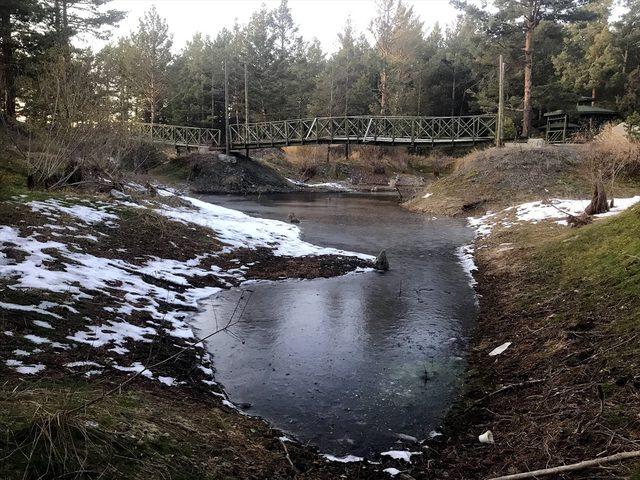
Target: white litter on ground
<point>499,350</point>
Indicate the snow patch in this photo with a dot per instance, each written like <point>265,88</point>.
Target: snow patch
<point>465,255</point>
<point>19,367</point>
<point>325,185</point>
<point>239,230</point>
<point>391,471</point>
<point>401,455</point>
<point>83,213</point>
<point>345,459</point>
<point>534,212</point>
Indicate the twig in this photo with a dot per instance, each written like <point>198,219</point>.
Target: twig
<point>571,467</point>
<point>286,452</point>
<point>172,357</point>
<point>509,387</point>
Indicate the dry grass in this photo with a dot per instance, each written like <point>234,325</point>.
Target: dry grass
<point>327,160</point>
<point>567,388</point>
<point>495,178</point>
<point>612,154</point>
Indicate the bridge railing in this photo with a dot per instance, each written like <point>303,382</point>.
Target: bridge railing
<point>365,129</point>
<point>177,135</point>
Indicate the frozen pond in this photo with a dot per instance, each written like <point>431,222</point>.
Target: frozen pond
<point>349,363</point>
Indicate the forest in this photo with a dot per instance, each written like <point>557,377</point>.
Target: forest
<point>556,52</point>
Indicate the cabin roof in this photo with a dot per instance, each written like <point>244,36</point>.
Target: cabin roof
<point>590,110</point>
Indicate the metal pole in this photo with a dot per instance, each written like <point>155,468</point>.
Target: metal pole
<point>213,117</point>
<point>246,109</point>
<point>500,120</point>
<point>227,146</point>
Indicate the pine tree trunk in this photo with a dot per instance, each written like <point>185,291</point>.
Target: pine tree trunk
<point>383,91</point>
<point>7,70</point>
<point>528,61</point>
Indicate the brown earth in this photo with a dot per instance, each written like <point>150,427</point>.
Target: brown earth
<point>567,389</point>
<point>498,178</point>
<point>142,429</point>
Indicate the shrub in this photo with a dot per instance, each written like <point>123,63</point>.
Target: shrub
<point>610,155</point>
<point>141,157</point>
<point>633,125</point>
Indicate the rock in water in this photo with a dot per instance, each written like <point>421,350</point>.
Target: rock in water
<point>293,218</point>
<point>382,263</point>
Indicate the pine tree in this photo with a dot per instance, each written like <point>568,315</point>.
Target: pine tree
<point>72,17</point>
<point>151,44</point>
<point>589,59</point>
<point>525,16</point>
<point>18,37</point>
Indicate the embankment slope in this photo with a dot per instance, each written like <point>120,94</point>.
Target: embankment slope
<point>492,178</point>
<point>567,387</point>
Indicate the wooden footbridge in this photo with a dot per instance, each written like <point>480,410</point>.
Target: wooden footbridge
<point>372,130</point>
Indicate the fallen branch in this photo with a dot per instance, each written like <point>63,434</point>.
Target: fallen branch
<point>572,467</point>
<point>511,386</point>
<point>286,452</point>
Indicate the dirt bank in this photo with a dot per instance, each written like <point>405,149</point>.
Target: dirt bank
<point>96,293</point>
<point>497,178</point>
<point>564,306</point>
<point>566,388</point>
<point>218,173</point>
<point>368,168</point>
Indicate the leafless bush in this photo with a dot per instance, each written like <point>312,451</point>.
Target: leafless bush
<point>608,156</point>
<point>141,156</point>
<point>71,138</point>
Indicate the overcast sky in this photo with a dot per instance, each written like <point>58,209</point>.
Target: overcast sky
<point>322,19</point>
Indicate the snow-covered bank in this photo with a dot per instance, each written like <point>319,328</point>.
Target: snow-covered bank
<point>330,186</point>
<point>239,230</point>
<point>555,209</point>
<point>76,286</point>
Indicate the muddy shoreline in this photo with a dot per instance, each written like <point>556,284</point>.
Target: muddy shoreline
<point>558,394</point>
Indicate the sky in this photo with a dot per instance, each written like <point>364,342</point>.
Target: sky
<point>322,19</point>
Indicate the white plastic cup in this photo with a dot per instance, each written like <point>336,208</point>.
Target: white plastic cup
<point>486,437</point>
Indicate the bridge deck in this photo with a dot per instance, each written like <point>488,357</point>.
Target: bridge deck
<point>365,129</point>
<point>376,130</point>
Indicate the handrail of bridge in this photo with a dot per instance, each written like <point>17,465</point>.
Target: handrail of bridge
<point>365,129</point>
<point>177,135</point>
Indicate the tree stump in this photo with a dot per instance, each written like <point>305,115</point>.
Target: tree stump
<point>598,200</point>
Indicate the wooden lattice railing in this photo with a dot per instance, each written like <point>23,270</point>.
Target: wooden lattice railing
<point>177,135</point>
<point>365,129</point>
